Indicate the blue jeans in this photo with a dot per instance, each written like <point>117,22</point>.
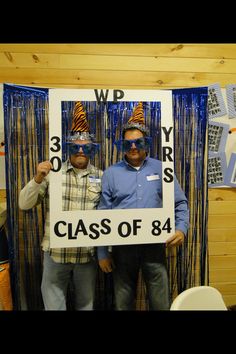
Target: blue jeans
<point>56,279</point>
<point>128,260</point>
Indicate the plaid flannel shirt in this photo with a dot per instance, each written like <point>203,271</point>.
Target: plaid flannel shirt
<point>78,193</point>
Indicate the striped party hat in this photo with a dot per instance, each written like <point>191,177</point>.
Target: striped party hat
<point>138,115</point>
<point>136,121</point>
<point>80,127</point>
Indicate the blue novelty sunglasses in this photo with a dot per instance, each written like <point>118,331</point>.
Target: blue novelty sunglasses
<point>140,144</point>
<point>88,149</point>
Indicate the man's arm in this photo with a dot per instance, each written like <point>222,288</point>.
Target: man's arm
<point>34,191</point>
<point>181,209</point>
<point>31,195</point>
<point>106,195</point>
<point>181,217</point>
<point>104,257</point>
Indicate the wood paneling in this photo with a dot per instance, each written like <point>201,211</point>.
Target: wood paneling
<point>218,51</point>
<point>150,66</point>
<point>223,262</point>
<point>111,79</point>
<point>222,207</point>
<point>222,194</point>
<point>222,248</point>
<point>3,196</point>
<point>222,235</point>
<point>223,275</point>
<point>116,63</point>
<point>227,288</point>
<point>229,299</point>
<point>222,221</point>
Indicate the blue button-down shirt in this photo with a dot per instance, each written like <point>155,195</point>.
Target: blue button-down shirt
<point>125,187</point>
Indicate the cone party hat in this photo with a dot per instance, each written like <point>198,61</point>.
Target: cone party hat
<point>136,121</point>
<point>80,127</point>
<point>138,115</point>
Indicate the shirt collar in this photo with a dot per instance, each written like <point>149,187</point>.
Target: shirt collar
<point>68,167</point>
<point>129,165</point>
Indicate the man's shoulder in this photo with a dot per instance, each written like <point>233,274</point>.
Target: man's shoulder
<point>95,170</point>
<point>153,161</point>
<point>115,166</point>
<point>65,165</point>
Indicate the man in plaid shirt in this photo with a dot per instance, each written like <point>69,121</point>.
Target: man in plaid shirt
<point>81,188</point>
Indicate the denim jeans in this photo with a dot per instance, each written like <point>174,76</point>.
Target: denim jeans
<point>56,279</point>
<point>128,260</point>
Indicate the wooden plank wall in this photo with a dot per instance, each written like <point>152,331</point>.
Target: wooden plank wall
<point>141,66</point>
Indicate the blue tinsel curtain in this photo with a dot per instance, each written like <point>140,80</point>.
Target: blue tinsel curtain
<point>26,137</point>
<point>189,265</point>
<point>26,143</point>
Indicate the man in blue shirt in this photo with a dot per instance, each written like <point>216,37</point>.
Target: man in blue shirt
<point>125,186</point>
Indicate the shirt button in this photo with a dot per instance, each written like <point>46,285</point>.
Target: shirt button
<point>139,198</point>
<point>139,185</point>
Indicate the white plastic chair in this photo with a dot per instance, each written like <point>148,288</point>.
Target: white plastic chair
<point>199,298</point>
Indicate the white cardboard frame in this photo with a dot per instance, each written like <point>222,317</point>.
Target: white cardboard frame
<point>143,219</point>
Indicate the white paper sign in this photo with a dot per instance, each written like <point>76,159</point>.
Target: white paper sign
<point>109,227</point>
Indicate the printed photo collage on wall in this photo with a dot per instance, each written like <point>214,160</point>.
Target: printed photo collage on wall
<point>222,136</point>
